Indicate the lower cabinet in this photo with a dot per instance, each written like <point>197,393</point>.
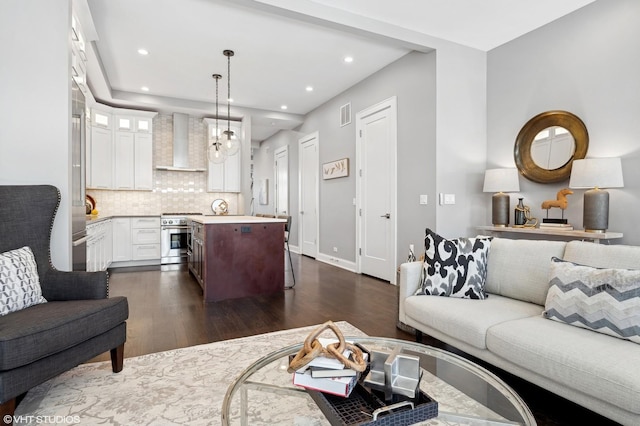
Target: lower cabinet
<point>197,254</point>
<point>145,238</point>
<point>99,245</point>
<point>136,241</point>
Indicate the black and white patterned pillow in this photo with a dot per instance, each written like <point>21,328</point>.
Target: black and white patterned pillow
<point>19,281</point>
<point>455,268</point>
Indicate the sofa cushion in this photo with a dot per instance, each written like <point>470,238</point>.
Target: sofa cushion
<point>456,268</point>
<point>600,299</point>
<point>602,255</point>
<point>589,362</point>
<point>55,326</point>
<point>19,281</point>
<point>465,319</point>
<point>520,268</point>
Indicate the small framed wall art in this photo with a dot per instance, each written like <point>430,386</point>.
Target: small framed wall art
<point>335,169</point>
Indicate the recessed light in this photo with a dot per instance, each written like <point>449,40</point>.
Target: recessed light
<point>143,51</point>
<point>348,59</point>
<point>309,89</point>
<point>230,99</point>
<point>283,107</point>
<point>144,88</point>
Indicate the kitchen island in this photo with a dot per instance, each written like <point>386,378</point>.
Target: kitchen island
<point>237,256</point>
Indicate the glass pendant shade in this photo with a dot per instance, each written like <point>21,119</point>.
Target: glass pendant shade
<point>230,142</point>
<point>216,153</point>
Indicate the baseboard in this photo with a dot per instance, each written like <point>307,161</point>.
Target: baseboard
<point>340,263</point>
<point>294,249</point>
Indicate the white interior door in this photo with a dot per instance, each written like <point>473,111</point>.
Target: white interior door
<point>309,171</point>
<point>281,167</point>
<point>376,159</point>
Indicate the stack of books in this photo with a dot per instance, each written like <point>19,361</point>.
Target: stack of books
<point>556,226</point>
<point>327,375</point>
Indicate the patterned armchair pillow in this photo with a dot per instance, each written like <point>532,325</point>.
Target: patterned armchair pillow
<point>455,268</point>
<point>598,299</point>
<point>19,281</point>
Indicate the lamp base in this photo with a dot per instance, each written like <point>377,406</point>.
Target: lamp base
<point>500,209</point>
<point>595,216</point>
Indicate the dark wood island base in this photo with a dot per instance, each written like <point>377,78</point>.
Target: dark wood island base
<point>237,256</point>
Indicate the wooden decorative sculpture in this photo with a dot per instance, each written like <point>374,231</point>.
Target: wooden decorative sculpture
<point>560,201</point>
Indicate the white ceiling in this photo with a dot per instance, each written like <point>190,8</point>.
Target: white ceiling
<point>281,47</point>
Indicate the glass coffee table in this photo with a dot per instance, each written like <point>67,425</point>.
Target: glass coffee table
<point>466,393</point>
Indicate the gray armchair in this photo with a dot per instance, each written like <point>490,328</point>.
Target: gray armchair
<point>79,320</point>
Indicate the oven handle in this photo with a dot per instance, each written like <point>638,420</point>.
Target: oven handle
<point>167,227</point>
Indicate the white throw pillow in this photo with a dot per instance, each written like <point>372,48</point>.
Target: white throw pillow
<point>19,281</point>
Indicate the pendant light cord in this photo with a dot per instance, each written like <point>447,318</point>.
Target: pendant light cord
<point>217,142</point>
<point>229,54</point>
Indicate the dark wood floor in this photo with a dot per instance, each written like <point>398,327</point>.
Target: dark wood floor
<point>167,312</point>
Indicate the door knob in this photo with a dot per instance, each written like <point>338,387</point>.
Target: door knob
<point>388,215</point>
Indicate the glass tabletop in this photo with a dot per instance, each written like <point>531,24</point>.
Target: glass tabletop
<point>466,393</point>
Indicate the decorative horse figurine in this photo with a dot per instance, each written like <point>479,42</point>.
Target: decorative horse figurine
<point>560,201</point>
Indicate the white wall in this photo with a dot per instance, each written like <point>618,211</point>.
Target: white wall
<point>263,168</point>
<point>586,63</point>
<point>412,79</point>
<point>461,138</point>
<point>35,105</point>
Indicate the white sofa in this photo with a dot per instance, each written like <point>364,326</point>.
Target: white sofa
<point>597,371</point>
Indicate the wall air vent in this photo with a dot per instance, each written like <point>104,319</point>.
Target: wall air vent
<point>345,114</point>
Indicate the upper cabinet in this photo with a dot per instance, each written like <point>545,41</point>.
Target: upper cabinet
<point>121,149</point>
<point>78,54</point>
<point>225,177</point>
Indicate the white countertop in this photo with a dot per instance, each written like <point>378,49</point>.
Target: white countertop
<point>208,220</point>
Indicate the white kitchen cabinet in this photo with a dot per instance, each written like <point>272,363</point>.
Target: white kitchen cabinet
<point>133,161</point>
<point>225,177</point>
<point>125,123</point>
<point>145,238</point>
<point>136,241</point>
<point>121,239</point>
<point>144,124</point>
<point>101,158</point>
<point>100,118</point>
<point>127,164</point>
<point>143,161</point>
<point>124,160</point>
<point>78,54</point>
<point>99,247</point>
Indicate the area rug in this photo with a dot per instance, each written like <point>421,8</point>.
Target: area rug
<point>187,387</point>
<point>178,387</point>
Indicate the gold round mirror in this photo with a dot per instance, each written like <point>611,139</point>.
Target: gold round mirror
<point>547,145</point>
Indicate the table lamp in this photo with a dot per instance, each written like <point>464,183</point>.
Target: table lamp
<point>501,181</point>
<point>594,174</point>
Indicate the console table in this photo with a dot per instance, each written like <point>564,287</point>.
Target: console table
<point>595,237</point>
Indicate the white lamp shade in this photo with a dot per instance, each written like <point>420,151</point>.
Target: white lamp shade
<point>501,180</point>
<point>596,173</point>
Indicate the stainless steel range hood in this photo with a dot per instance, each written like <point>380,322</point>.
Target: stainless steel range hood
<point>180,145</point>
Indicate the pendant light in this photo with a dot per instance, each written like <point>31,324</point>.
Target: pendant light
<point>216,152</point>
<point>230,140</point>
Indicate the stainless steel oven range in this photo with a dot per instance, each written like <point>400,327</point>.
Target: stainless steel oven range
<point>173,237</point>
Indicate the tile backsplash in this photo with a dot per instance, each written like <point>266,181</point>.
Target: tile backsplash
<point>173,191</point>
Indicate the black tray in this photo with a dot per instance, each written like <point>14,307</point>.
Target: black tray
<point>358,408</point>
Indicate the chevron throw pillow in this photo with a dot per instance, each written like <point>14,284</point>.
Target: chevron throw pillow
<point>19,281</point>
<point>602,300</point>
